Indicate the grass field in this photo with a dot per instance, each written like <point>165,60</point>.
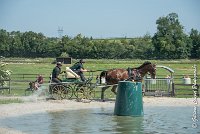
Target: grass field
<point>27,69</point>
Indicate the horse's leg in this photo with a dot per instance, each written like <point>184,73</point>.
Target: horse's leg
<point>102,92</point>
<point>114,89</point>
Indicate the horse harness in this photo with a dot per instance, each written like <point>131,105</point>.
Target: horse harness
<point>134,74</point>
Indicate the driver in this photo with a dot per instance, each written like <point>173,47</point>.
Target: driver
<point>79,69</point>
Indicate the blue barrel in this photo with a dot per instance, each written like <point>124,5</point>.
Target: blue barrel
<point>129,99</point>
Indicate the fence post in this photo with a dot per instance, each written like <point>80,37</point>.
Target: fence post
<point>9,85</point>
<point>173,89</point>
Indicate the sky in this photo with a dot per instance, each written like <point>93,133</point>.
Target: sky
<point>96,18</point>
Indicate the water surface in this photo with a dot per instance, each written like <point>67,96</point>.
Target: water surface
<point>102,121</point>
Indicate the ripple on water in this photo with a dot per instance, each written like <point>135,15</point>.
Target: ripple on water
<point>102,120</point>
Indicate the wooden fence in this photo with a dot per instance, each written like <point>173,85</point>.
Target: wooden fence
<point>187,88</point>
<point>21,81</point>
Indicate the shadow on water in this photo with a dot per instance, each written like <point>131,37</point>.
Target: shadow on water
<point>103,121</point>
<point>121,124</point>
<point>128,124</point>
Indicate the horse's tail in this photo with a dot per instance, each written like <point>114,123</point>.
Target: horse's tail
<point>103,74</point>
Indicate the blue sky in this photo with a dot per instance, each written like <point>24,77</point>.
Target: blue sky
<point>96,18</point>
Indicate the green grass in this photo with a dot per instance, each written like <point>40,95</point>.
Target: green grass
<point>44,66</point>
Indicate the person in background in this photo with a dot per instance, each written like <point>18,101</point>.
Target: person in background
<point>55,73</point>
<point>39,81</point>
<point>79,69</point>
<point>168,78</point>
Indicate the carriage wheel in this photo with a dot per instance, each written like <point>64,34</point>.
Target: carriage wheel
<point>69,91</point>
<point>89,94</point>
<point>59,92</point>
<point>91,90</point>
<point>109,94</point>
<point>79,92</point>
<point>85,93</point>
<point>75,89</point>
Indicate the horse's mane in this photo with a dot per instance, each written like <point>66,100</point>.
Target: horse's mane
<point>144,64</point>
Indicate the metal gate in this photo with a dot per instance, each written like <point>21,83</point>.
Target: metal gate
<point>159,86</point>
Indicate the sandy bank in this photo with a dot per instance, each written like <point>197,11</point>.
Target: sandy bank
<point>41,105</point>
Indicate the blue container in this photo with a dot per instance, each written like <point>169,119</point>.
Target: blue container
<point>129,99</point>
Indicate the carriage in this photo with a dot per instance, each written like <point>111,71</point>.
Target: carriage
<point>72,86</point>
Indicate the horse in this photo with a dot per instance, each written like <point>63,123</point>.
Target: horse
<point>113,76</point>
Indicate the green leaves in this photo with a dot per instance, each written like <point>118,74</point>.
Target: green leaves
<point>170,41</point>
<point>195,39</point>
<point>4,72</point>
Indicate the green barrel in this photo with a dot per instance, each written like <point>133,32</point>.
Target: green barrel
<point>129,99</point>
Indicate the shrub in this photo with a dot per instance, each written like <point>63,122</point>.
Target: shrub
<point>4,72</point>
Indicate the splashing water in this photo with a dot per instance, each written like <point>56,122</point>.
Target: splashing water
<point>39,94</point>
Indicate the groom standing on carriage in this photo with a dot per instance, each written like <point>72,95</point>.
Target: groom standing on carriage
<point>79,69</point>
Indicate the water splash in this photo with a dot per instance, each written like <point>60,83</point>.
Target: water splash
<point>40,94</point>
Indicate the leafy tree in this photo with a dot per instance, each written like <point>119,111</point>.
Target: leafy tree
<point>49,48</point>
<point>143,47</point>
<point>66,41</point>
<point>4,43</point>
<point>195,37</point>
<point>28,42</point>
<point>34,44</point>
<point>170,41</point>
<point>16,47</point>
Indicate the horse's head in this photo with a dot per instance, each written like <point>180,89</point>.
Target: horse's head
<point>148,67</point>
<point>152,70</point>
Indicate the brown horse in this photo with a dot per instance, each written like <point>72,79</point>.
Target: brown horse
<point>113,76</point>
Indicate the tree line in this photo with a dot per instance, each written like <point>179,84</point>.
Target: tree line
<point>169,42</point>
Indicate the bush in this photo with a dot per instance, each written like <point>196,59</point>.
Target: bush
<point>4,72</point>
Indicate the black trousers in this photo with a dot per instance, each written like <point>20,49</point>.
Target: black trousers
<point>80,74</point>
<point>56,80</point>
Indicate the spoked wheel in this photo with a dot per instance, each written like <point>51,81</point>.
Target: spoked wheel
<point>79,92</point>
<point>84,94</point>
<point>91,90</point>
<point>59,92</point>
<point>76,87</point>
<point>69,91</point>
<point>89,94</point>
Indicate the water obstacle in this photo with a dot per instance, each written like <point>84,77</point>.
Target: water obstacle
<point>129,99</point>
